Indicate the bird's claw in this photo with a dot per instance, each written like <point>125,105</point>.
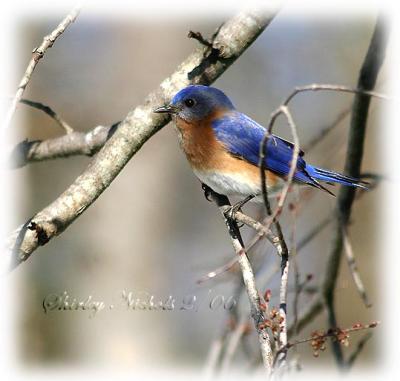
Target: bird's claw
<point>231,212</point>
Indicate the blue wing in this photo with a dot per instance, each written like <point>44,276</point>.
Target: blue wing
<point>242,137</point>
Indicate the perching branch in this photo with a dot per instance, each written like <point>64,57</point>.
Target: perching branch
<point>257,313</point>
<point>38,54</point>
<point>233,37</point>
<point>258,227</point>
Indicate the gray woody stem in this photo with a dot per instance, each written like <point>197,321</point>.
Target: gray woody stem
<point>203,66</point>
<point>73,143</point>
<point>257,313</point>
<point>355,148</point>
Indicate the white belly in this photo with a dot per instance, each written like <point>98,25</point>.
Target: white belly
<point>234,184</point>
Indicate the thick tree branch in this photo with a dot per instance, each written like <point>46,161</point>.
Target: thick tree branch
<point>73,143</point>
<point>355,149</point>
<point>232,39</point>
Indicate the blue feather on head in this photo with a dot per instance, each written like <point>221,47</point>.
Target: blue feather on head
<point>198,102</point>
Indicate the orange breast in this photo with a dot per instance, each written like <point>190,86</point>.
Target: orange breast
<point>205,153</point>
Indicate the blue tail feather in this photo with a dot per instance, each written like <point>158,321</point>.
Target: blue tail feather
<point>334,177</point>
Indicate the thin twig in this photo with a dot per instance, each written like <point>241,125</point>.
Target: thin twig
<point>336,333</point>
<point>324,130</point>
<point>218,346</point>
<point>284,251</point>
<point>49,111</point>
<point>351,261</point>
<point>293,164</point>
<point>337,88</point>
<point>199,37</point>
<point>298,287</point>
<point>360,346</point>
<point>233,343</point>
<point>37,54</point>
<point>213,357</point>
<point>219,270</point>
<point>232,262</point>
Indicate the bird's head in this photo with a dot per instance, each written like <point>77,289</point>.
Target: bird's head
<point>197,102</point>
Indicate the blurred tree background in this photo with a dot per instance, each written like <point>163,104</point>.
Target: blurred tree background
<point>153,231</point>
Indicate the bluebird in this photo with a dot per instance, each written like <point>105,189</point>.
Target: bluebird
<point>222,146</point>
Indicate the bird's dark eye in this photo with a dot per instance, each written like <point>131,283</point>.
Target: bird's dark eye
<point>189,102</point>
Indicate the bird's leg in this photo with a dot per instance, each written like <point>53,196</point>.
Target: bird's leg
<point>231,210</point>
<point>207,191</point>
<point>230,213</point>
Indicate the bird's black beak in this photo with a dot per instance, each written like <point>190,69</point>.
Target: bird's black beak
<point>168,109</point>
